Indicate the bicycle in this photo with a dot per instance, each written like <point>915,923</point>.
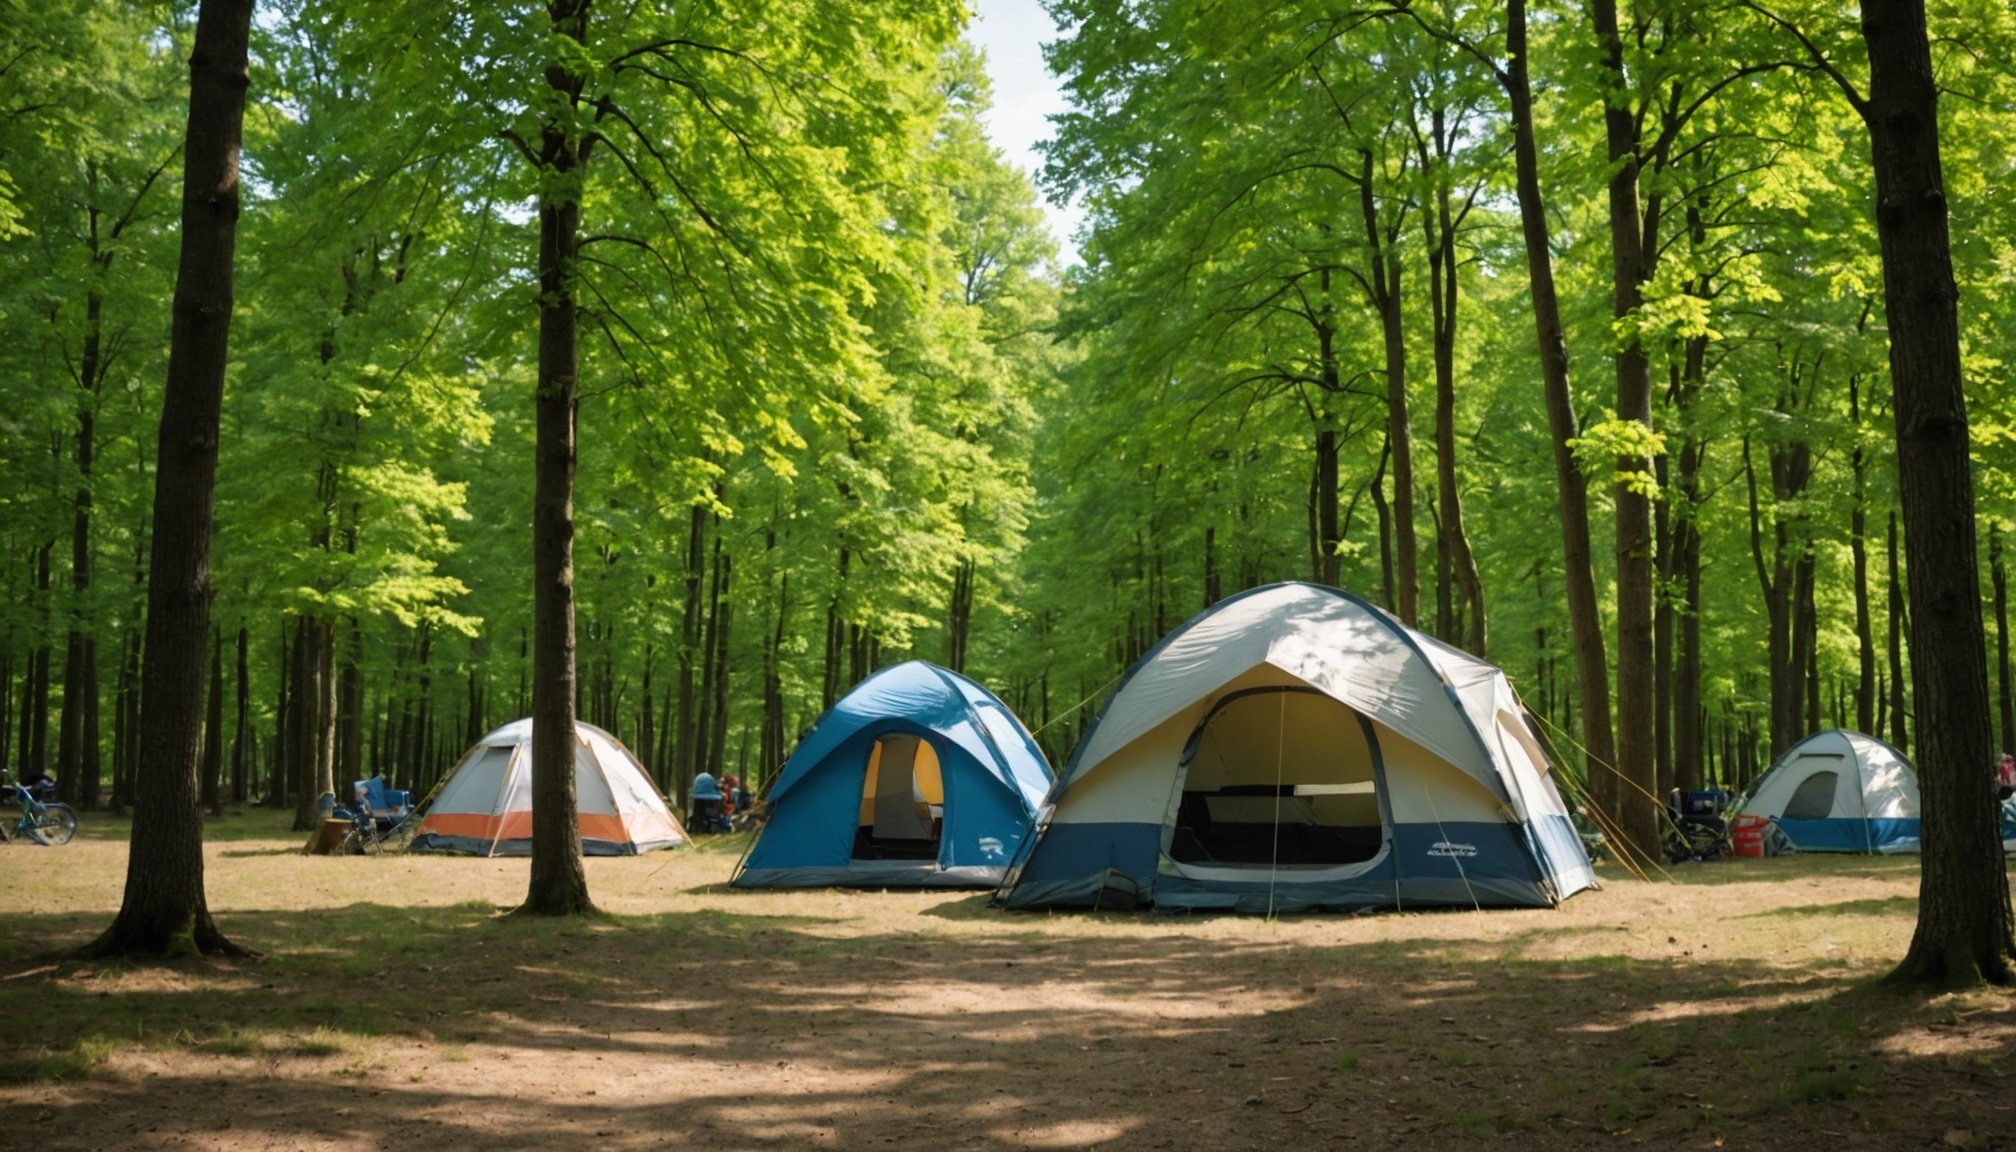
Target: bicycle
<point>43,820</point>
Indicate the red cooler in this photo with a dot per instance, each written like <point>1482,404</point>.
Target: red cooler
<point>1746,835</point>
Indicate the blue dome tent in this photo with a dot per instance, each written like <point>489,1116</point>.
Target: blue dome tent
<point>917,778</point>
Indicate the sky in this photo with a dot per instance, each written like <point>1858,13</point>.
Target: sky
<point>1012,33</point>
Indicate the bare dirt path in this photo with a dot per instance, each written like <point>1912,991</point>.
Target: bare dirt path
<point>395,1009</point>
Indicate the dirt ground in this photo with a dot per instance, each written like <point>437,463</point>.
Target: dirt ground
<point>394,1008</point>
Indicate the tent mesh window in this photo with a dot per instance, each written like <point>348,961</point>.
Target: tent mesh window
<point>902,801</point>
<point>1278,778</point>
<point>1814,798</point>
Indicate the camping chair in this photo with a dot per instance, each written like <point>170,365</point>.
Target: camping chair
<point>1694,827</point>
<point>378,814</point>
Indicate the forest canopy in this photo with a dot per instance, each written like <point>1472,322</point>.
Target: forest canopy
<point>842,401</point>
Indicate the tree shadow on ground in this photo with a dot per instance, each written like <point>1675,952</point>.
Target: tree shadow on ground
<point>1887,906</point>
<point>378,1025</point>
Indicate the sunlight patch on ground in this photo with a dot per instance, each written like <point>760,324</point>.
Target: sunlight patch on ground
<point>1670,1010</point>
<point>1168,1002</point>
<point>1959,1040</point>
<point>157,981</point>
<point>1064,1134</point>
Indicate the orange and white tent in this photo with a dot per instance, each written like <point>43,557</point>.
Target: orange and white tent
<point>484,808</point>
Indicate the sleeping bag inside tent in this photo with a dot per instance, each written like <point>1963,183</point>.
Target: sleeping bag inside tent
<point>917,777</point>
<point>484,807</point>
<point>1839,791</point>
<point>1295,747</point>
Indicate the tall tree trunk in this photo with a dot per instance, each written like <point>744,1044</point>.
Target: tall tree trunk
<point>720,623</point>
<point>77,753</point>
<point>1454,546</point>
<point>1213,584</point>
<point>241,728</point>
<point>559,883</point>
<point>1629,268</point>
<point>126,696</point>
<point>7,693</point>
<point>1592,672</point>
<point>1775,584</point>
<point>647,731</point>
<point>1664,621</point>
<point>80,663</point>
<point>1858,547</point>
<point>959,621</point>
<point>1383,513</point>
<point>350,704</point>
<point>402,737</point>
<point>1998,574</point>
<point>304,724</point>
<point>279,776</point>
<point>685,730</point>
<point>479,691</point>
<point>213,731</point>
<point>164,910</point>
<point>413,770</point>
<point>1323,494</point>
<point>1964,932</point>
<point>709,667</point>
<point>1689,715</point>
<point>773,744</point>
<point>325,711</point>
<point>1899,729</point>
<point>1805,647</point>
<point>1385,282</point>
<point>35,707</point>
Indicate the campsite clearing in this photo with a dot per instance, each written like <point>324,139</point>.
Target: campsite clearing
<point>394,1008</point>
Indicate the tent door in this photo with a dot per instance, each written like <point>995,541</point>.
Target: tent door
<point>902,801</point>
<point>1280,778</point>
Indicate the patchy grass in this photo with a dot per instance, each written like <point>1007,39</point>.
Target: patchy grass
<point>1667,1013</point>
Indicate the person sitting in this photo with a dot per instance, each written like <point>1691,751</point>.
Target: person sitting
<point>706,802</point>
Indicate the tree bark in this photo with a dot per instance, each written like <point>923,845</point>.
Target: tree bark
<point>1899,729</point>
<point>1858,548</point>
<point>76,760</point>
<point>1592,672</point>
<point>1638,817</point>
<point>710,646</point>
<point>350,704</point>
<point>720,625</point>
<point>34,759</point>
<point>164,910</point>
<point>213,731</point>
<point>685,739</point>
<point>1323,487</point>
<point>241,728</point>
<point>1998,574</point>
<point>1964,932</point>
<point>1385,285</point>
<point>1440,224</point>
<point>325,710</point>
<point>1383,514</point>
<point>305,724</point>
<point>559,883</point>
<point>773,746</point>
<point>1323,491</point>
<point>7,695</point>
<point>959,617</point>
<point>278,776</point>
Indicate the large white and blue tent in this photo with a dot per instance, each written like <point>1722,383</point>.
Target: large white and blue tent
<point>1296,747</point>
<point>917,777</point>
<point>1840,791</point>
